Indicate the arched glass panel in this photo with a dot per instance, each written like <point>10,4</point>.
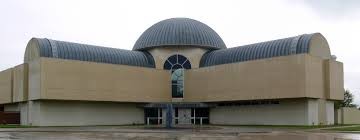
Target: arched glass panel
<point>177,64</point>
<point>167,65</point>
<point>173,59</point>
<point>186,65</point>
<point>177,83</point>
<point>181,59</point>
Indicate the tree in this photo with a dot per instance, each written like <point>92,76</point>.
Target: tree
<point>348,100</point>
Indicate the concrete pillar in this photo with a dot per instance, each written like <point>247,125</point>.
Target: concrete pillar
<point>169,115</point>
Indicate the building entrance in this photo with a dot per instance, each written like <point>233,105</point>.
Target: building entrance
<point>181,114</point>
<point>191,116</point>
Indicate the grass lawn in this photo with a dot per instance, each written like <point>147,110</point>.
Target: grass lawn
<point>350,128</point>
<point>287,126</point>
<point>13,126</point>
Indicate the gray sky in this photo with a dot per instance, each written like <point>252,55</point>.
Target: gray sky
<point>118,23</point>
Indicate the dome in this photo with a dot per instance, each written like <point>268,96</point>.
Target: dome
<point>179,32</point>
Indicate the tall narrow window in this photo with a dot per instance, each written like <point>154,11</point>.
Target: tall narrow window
<point>177,64</point>
<point>177,79</point>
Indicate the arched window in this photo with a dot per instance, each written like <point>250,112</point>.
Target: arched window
<point>177,64</point>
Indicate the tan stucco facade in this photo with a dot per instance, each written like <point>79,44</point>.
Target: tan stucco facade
<point>287,112</point>
<point>6,86</point>
<point>34,79</point>
<point>51,113</point>
<point>32,51</point>
<point>78,80</point>
<point>334,79</point>
<point>319,46</point>
<point>20,83</point>
<point>193,54</point>
<point>348,115</point>
<point>296,76</point>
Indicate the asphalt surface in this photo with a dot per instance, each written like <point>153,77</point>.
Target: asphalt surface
<point>146,133</point>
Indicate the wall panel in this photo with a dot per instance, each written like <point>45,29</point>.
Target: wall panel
<point>6,86</point>
<point>20,82</point>
<point>295,76</point>
<point>78,80</point>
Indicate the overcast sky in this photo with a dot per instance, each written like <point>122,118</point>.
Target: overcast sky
<point>118,23</point>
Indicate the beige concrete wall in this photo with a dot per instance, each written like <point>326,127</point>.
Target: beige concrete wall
<point>288,112</point>
<point>34,113</point>
<point>202,84</point>
<point>313,111</point>
<point>34,79</point>
<point>24,112</point>
<point>322,111</point>
<point>335,80</point>
<point>32,51</point>
<point>314,77</point>
<point>319,46</point>
<point>162,54</point>
<point>338,116</point>
<point>77,113</point>
<point>295,76</point>
<point>79,80</point>
<point>20,83</point>
<point>348,115</point>
<point>330,113</point>
<point>6,86</point>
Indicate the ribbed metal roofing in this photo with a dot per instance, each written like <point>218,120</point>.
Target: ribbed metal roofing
<point>180,32</point>
<point>82,52</point>
<point>280,47</point>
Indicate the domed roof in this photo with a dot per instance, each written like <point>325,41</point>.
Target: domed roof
<point>42,47</point>
<point>314,44</point>
<point>179,32</point>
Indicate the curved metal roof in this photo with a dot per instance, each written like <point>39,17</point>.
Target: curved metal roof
<point>82,52</point>
<point>281,47</point>
<point>180,32</point>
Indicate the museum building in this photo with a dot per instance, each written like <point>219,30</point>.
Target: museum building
<point>179,71</point>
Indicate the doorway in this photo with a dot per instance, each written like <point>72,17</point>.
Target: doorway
<point>153,116</point>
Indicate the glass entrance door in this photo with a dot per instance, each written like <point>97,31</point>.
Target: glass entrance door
<point>198,116</point>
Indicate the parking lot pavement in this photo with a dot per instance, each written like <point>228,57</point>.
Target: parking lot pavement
<point>141,133</point>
